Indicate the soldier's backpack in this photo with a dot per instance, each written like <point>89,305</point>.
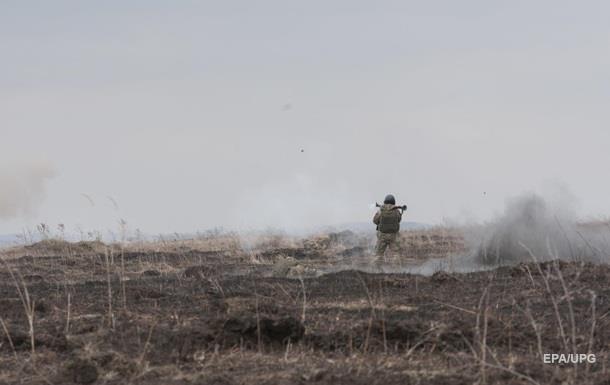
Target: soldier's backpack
<point>389,219</point>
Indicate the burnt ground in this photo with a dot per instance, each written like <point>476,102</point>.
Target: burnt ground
<point>190,315</point>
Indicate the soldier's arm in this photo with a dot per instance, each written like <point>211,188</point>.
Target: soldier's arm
<point>376,217</point>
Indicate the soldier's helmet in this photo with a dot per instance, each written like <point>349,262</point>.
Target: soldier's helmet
<point>389,200</point>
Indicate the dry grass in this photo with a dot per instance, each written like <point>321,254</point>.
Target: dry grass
<point>432,243</point>
<point>230,321</point>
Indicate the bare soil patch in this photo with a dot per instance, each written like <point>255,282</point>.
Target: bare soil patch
<point>220,316</point>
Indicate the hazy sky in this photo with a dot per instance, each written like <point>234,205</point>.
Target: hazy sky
<point>193,114</point>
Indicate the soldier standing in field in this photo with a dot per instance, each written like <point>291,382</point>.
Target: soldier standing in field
<point>387,220</point>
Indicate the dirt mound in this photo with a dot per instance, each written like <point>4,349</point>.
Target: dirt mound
<point>270,330</point>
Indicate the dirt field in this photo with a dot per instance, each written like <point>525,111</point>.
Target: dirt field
<point>225,310</point>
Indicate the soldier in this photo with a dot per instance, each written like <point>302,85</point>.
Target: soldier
<point>387,220</point>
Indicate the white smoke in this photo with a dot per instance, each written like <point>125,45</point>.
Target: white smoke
<point>22,187</point>
<point>297,203</point>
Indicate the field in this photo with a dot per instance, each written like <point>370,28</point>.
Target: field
<point>272,309</point>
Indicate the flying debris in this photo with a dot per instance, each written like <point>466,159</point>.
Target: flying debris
<point>113,201</point>
<point>88,198</point>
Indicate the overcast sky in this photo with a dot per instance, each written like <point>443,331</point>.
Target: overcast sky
<point>247,114</point>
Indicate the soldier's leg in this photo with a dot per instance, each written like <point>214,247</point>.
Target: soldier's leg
<point>381,245</point>
<point>395,243</point>
<point>377,244</point>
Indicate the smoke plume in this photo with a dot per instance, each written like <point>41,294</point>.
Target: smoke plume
<point>22,188</point>
<point>532,228</point>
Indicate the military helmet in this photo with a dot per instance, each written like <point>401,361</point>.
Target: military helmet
<point>389,200</point>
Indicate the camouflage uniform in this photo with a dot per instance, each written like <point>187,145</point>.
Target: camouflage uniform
<point>387,220</point>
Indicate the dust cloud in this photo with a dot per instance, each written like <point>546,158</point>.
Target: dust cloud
<point>532,228</point>
<point>22,187</point>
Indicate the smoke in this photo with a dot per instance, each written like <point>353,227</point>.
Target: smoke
<point>296,204</point>
<point>534,228</point>
<point>22,188</point>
